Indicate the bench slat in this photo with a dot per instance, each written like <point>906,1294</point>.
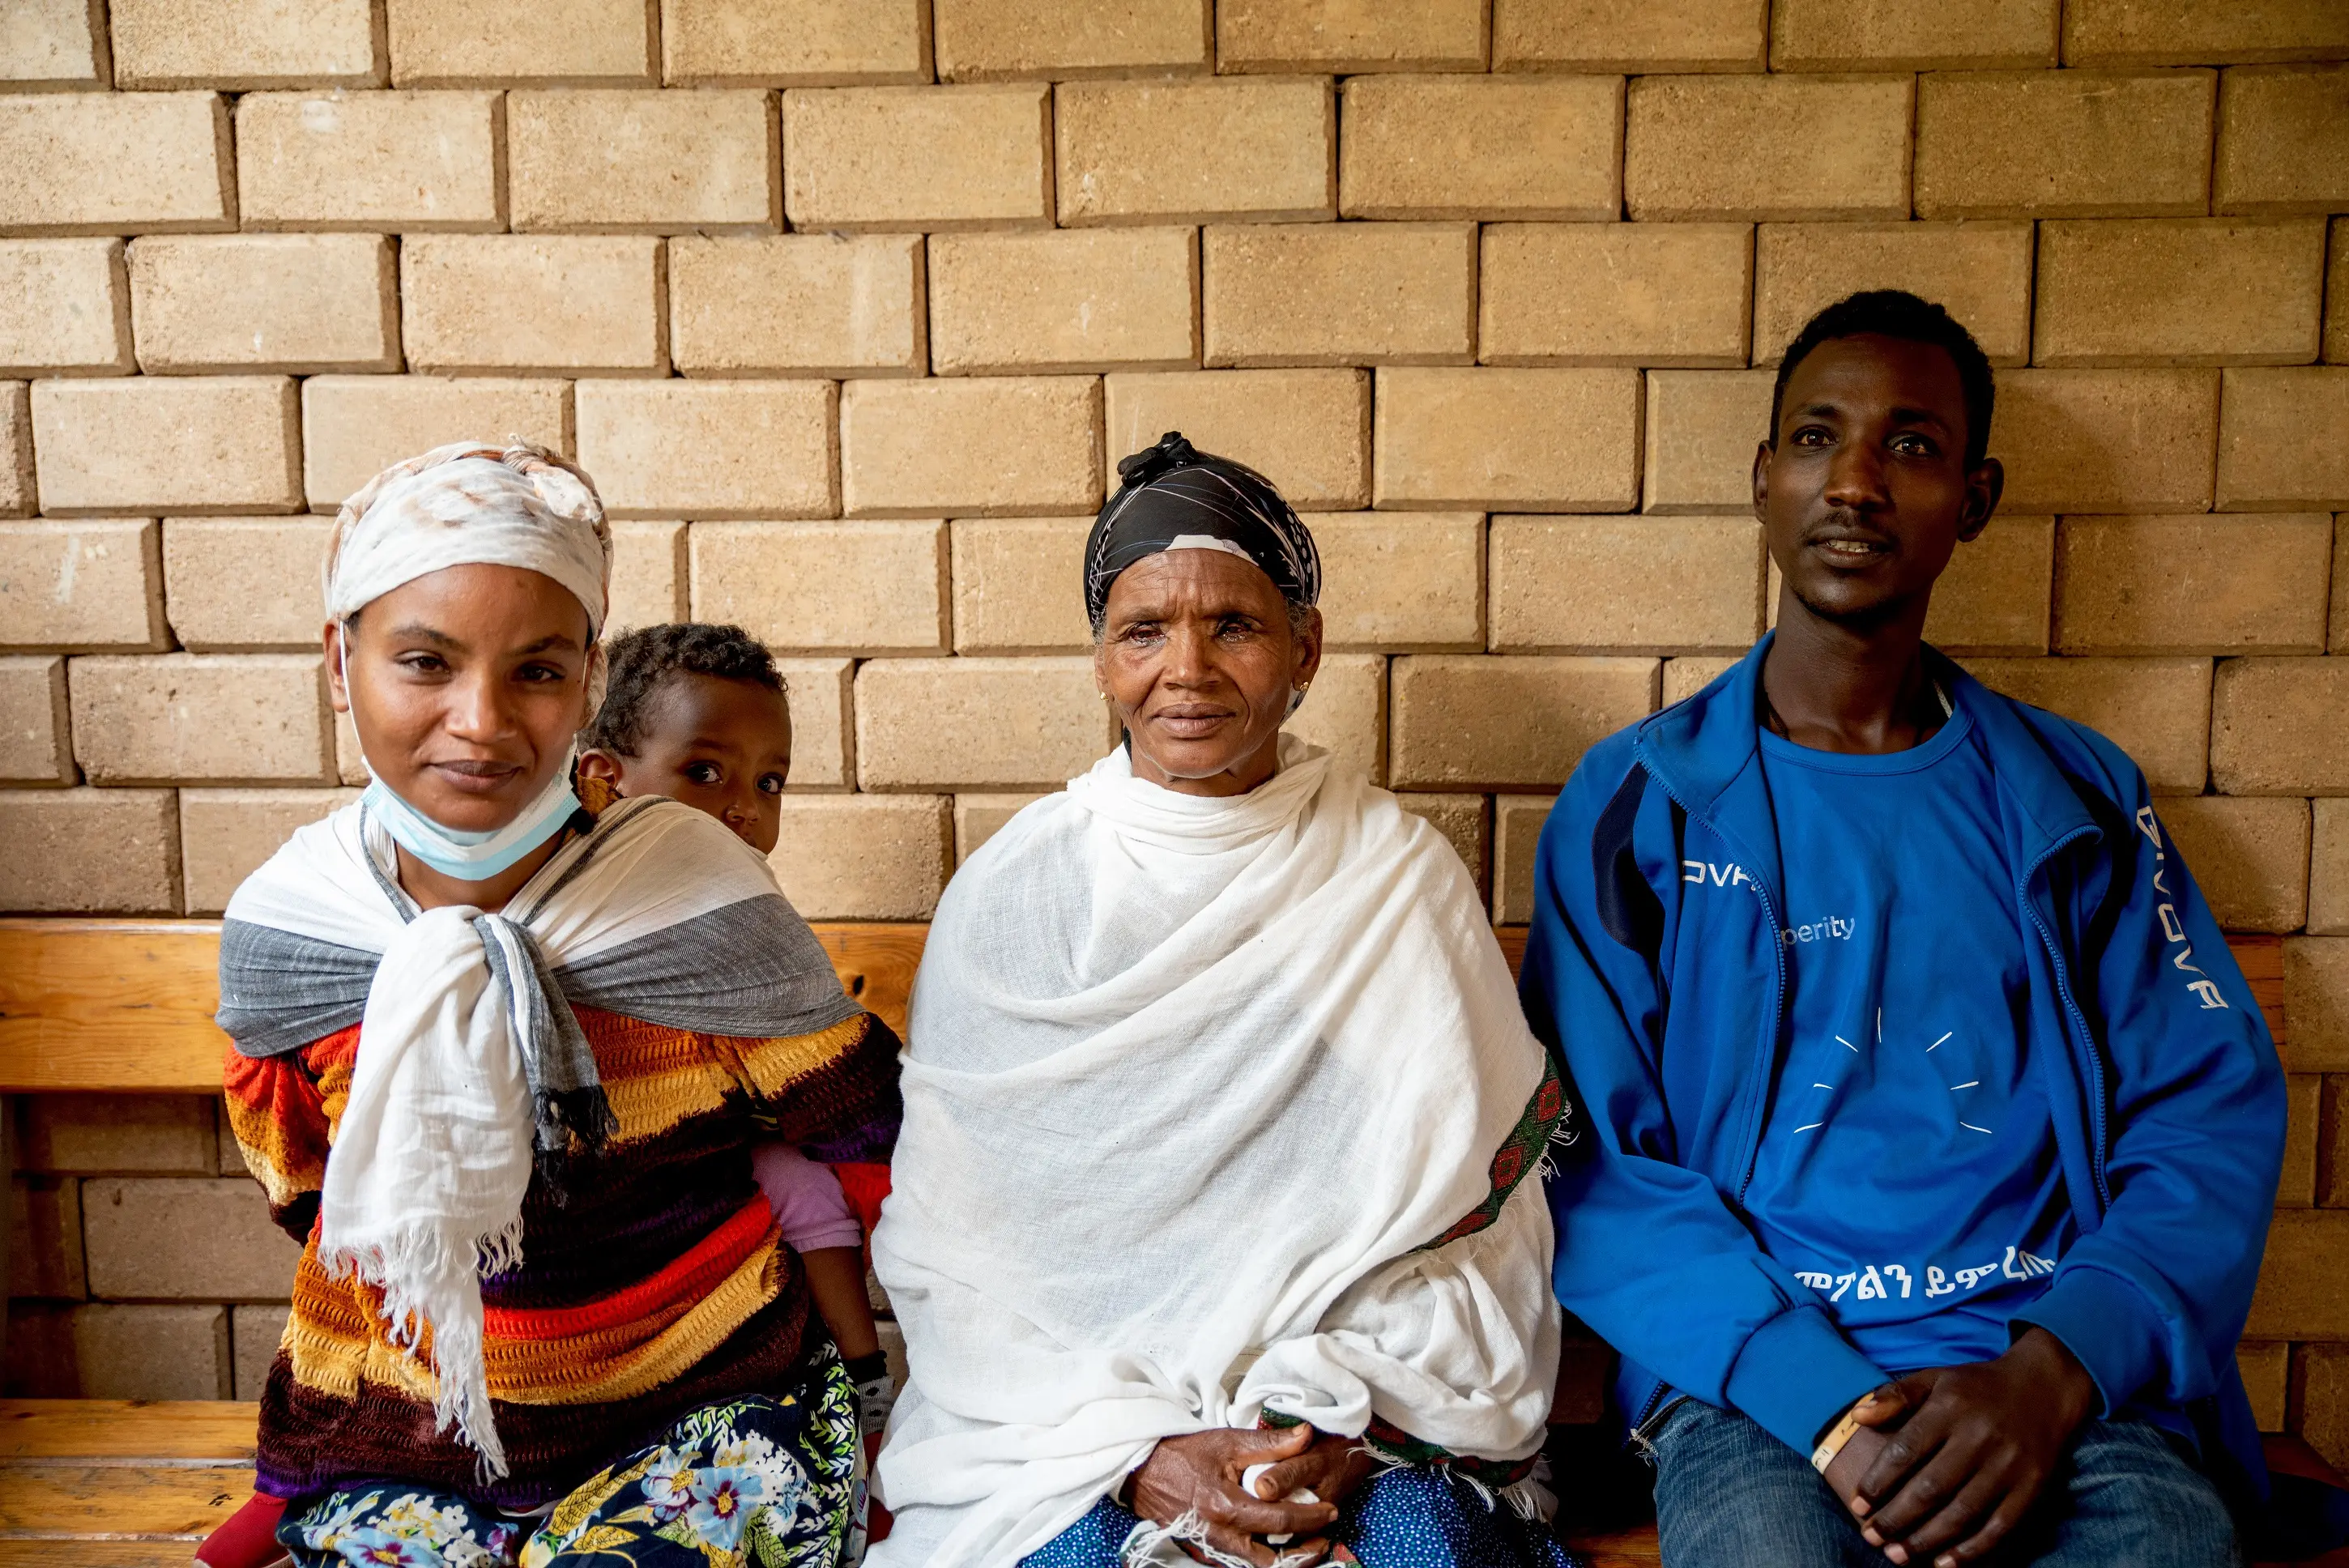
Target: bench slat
<point>168,1551</point>
<point>64,1499</point>
<point>220,1429</point>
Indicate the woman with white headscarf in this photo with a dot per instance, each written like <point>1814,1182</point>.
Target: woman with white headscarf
<point>500,1057</point>
<point>1212,1233</point>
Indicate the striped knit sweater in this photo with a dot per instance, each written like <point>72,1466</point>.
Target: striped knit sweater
<point>659,1284</point>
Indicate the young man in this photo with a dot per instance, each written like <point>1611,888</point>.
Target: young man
<point>1935,1130</point>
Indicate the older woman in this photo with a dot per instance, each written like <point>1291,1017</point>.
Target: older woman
<point>1212,1234</point>
<point>499,1057</point>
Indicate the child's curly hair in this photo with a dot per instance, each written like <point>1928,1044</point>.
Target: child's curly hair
<point>642,659</point>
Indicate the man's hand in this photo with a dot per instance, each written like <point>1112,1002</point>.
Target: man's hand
<point>1199,1474</point>
<point>1965,1450</point>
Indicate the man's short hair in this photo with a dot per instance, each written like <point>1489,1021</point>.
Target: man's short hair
<point>644,658</point>
<point>1898,313</point>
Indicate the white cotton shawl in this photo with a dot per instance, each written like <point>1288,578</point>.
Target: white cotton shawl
<point>1192,1085</point>
<point>424,1185</point>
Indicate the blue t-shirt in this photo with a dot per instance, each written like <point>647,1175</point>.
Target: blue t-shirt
<point>1908,1171</point>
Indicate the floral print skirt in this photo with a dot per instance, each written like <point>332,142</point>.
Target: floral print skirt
<point>770,1482</point>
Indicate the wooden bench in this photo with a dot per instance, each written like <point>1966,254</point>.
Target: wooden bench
<point>126,1007</point>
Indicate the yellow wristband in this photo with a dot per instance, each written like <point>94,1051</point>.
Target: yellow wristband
<point>1832,1444</point>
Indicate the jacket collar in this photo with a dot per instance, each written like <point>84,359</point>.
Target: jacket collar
<point>1706,752</point>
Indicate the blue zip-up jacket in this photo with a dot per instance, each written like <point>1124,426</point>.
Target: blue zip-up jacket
<point>1669,1013</point>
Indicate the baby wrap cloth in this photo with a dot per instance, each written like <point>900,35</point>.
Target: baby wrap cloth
<point>470,1061</point>
<point>1193,1086</point>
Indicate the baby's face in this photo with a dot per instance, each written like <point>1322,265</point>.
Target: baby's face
<point>719,745</point>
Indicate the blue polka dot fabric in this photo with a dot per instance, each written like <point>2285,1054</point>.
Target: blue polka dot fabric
<point>1411,1517</point>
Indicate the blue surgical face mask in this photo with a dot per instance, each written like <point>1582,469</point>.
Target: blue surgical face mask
<point>465,854</point>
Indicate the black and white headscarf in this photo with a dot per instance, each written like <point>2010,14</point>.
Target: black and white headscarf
<point>1175,497</point>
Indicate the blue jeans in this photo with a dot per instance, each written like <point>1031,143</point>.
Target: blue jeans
<point>1727,1491</point>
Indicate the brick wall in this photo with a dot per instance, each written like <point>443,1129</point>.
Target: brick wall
<point>850,306</point>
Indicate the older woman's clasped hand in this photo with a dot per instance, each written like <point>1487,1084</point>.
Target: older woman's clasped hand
<point>1201,1474</point>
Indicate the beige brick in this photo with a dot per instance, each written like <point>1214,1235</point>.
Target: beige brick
<point>1064,300</point>
<point>354,427</point>
<point>226,834</point>
<point>635,161</point>
<point>1616,294</point>
<point>2283,440</point>
<point>857,588</point>
<point>1001,40</point>
<point>1998,594</point>
<point>1481,146</point>
<point>89,852</point>
<point>1703,428</point>
<point>2324,1401</point>
<point>2265,1368</point>
<point>2157,710</point>
<point>2197,292</point>
<point>408,162</point>
<point>978,723</point>
<point>1309,431</point>
<point>2316,1002</point>
<point>2106,440</point>
<point>806,43</point>
<point>1340,293</point>
<point>2340,633</point>
<point>2328,880</point>
<point>2201,32</point>
<point>1402,582</point>
<point>995,447</point>
<point>114,163</point>
<point>117,1135</point>
<point>829,304</point>
<point>2283,140</point>
<point>1535,440</point>
<point>648,575</point>
<point>212,718</point>
<point>1346,715</point>
<point>2062,144</point>
<point>17,494</point>
<point>2304,1096</point>
<point>292,303</point>
<point>36,732</point>
<point>979,817</point>
<point>464,43</point>
<point>1019,585</point>
<point>1692,673</point>
<point>350,765</point>
<point>53,44</point>
<point>81,586</point>
<point>1477,722</point>
<point>759,448</point>
<point>1628,35</point>
<point>2336,294</point>
<point>1142,151</point>
<point>45,1256</point>
<point>212,445</point>
<point>241,44</point>
<point>1980,273</point>
<point>1808,147</point>
<point>253,1335</point>
<point>917,158</point>
<point>2249,855</point>
<point>1626,585</point>
<point>1349,35</point>
<point>2276,727</point>
<point>525,305</point>
<point>2192,585</point>
<point>177,1240</point>
<point>1517,831</point>
<point>863,856</point>
<point>822,692</point>
<point>1874,35</point>
<point>152,1352</point>
<point>1466,823</point>
<point>65,308</point>
<point>244,584</point>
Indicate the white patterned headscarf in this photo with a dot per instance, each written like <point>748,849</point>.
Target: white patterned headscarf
<point>471,504</point>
